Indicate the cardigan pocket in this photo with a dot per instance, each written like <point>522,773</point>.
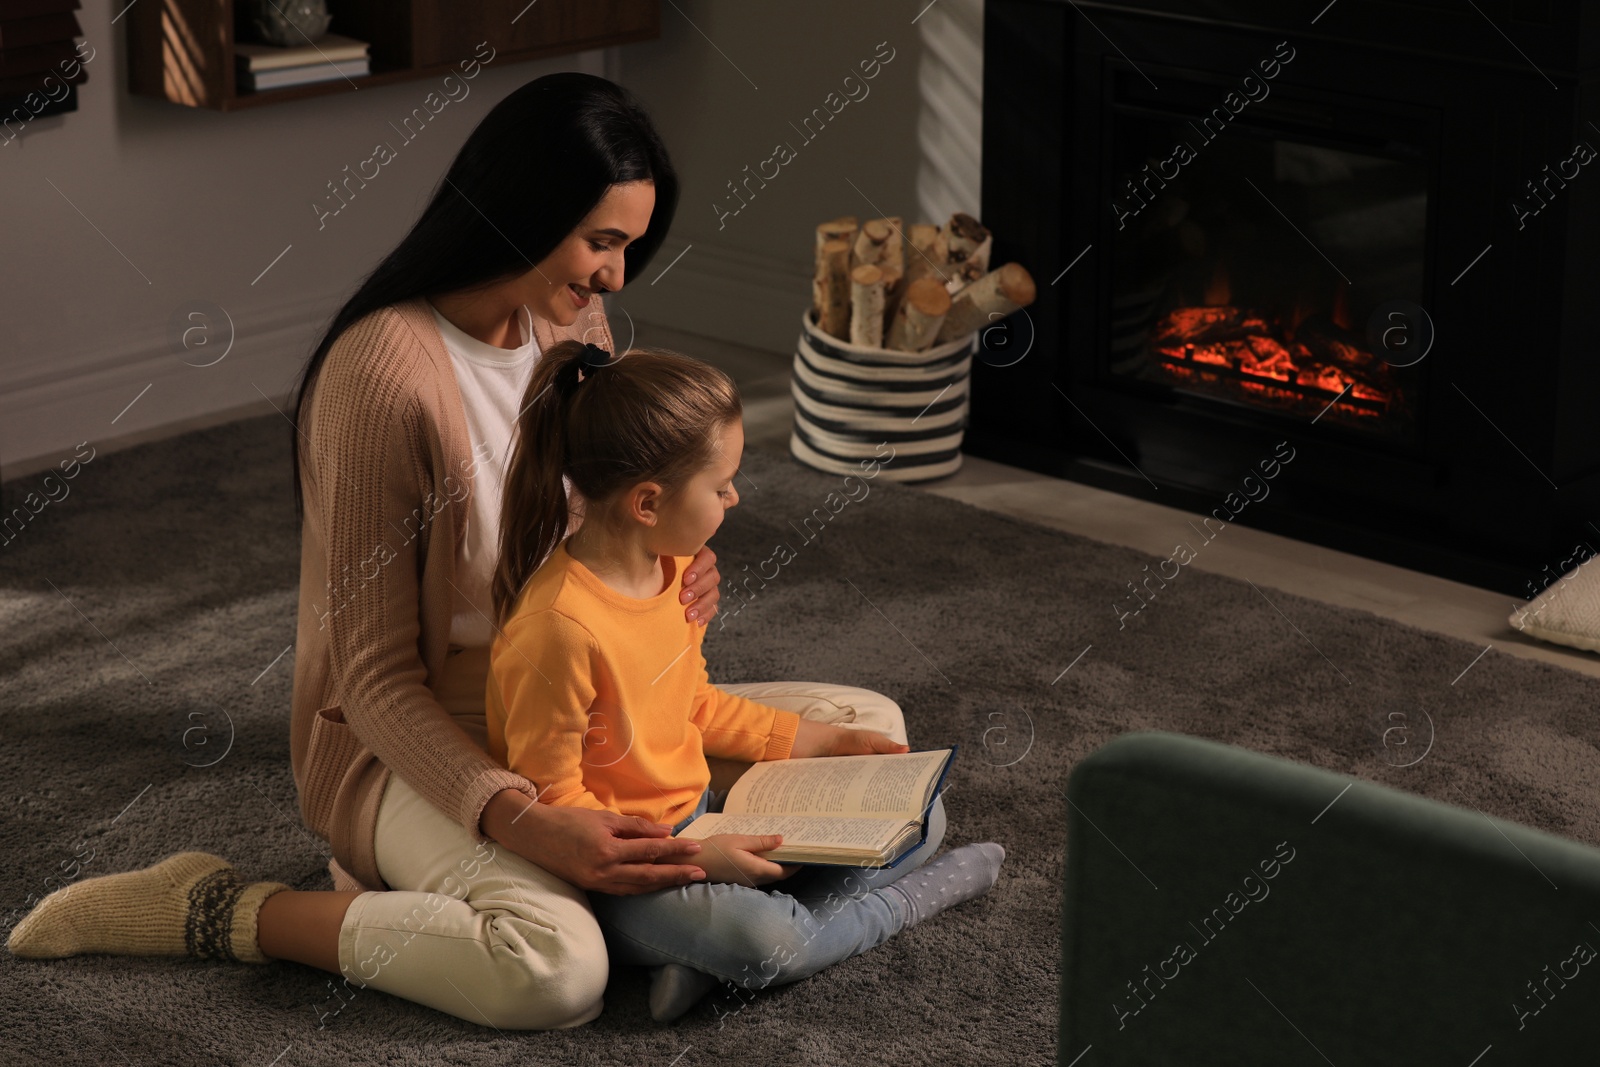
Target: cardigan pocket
<point>333,747</point>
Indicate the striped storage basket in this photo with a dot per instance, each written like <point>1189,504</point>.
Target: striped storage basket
<point>849,400</point>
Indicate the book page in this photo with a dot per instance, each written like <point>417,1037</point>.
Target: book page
<point>810,831</point>
<point>896,784</point>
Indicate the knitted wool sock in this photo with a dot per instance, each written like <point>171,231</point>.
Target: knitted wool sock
<point>189,904</point>
<point>674,989</point>
<point>957,876</point>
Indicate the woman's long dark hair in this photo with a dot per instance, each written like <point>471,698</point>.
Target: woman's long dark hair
<point>536,165</point>
<point>648,416</point>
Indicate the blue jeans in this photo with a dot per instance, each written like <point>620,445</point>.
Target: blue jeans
<point>764,936</point>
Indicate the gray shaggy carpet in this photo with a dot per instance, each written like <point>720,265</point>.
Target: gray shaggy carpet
<point>160,594</point>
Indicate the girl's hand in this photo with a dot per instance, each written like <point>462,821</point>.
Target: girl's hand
<point>700,587</point>
<point>820,739</point>
<point>733,858</point>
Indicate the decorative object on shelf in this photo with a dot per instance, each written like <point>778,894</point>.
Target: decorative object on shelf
<point>411,40</point>
<point>267,66</point>
<point>885,352</point>
<point>289,23</point>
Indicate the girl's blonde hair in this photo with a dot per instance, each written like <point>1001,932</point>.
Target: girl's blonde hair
<point>649,415</point>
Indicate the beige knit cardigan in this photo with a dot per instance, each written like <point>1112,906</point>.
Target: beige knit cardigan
<point>386,472</point>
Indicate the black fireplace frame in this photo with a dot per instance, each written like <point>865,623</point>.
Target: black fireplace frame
<point>1505,475</point>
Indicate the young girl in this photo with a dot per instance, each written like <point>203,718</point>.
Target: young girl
<point>598,691</point>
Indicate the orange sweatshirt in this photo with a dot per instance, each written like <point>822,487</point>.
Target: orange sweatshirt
<point>602,700</point>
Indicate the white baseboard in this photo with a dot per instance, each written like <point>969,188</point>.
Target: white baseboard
<point>116,398</point>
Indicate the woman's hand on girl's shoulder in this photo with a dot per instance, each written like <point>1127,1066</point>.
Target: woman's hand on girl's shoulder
<point>700,587</point>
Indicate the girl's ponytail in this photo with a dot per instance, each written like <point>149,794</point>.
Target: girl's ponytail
<point>533,512</point>
<point>647,415</point>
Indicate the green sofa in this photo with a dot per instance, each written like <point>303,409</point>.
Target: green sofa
<point>1225,907</point>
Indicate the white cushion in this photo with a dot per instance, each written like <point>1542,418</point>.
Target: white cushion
<point>1568,611</point>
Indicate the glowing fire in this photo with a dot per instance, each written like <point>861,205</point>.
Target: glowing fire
<point>1298,357</point>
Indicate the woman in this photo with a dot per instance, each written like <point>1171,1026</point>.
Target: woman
<point>443,862</point>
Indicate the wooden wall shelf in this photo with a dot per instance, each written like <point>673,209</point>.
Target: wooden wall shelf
<point>182,50</point>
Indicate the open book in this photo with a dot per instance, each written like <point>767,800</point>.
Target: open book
<point>846,811</point>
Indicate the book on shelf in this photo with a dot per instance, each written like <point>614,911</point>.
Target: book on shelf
<point>254,55</point>
<point>251,81</point>
<point>841,811</point>
<point>267,66</point>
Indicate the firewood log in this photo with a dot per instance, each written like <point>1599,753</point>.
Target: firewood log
<point>987,300</point>
<point>976,265</point>
<point>872,243</point>
<point>924,258</point>
<point>894,249</point>
<point>916,323</point>
<point>866,306</point>
<point>844,228</point>
<point>966,243</point>
<point>894,287</point>
<point>831,288</point>
<point>879,242</point>
<point>962,234</point>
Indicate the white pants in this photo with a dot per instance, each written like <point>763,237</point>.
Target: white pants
<point>483,934</point>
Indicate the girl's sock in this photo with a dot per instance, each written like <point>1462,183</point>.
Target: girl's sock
<point>674,989</point>
<point>189,904</point>
<point>959,875</point>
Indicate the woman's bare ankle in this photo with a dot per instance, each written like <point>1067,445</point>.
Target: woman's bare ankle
<point>303,927</point>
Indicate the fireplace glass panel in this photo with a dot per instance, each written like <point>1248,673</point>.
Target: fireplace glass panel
<point>1271,272</point>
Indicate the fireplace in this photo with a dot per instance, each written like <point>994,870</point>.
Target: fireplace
<point>1218,285</point>
<point>1365,229</point>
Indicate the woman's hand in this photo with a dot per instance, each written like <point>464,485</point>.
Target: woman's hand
<point>599,850</point>
<point>733,858</point>
<point>820,739</point>
<point>700,584</point>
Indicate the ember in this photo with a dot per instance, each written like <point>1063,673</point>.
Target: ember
<point>1302,358</point>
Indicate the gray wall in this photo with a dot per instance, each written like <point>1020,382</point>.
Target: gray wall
<point>729,89</point>
<point>130,212</point>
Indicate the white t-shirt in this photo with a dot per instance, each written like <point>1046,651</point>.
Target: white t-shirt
<point>492,382</point>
